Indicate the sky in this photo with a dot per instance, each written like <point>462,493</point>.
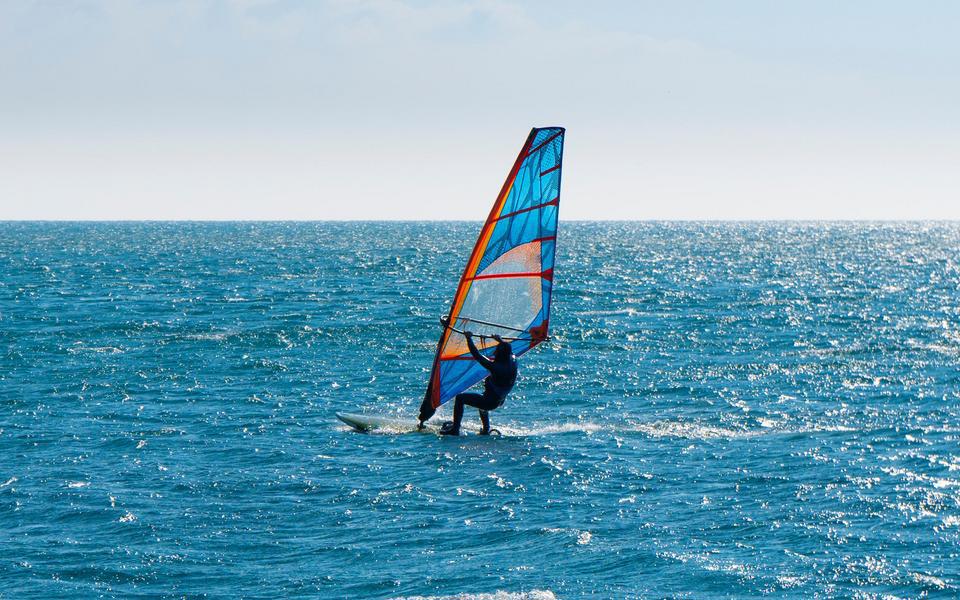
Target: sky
<point>414,109</point>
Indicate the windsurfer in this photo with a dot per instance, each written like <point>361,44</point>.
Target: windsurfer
<point>503,374</point>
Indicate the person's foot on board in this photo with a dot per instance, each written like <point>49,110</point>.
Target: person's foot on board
<point>448,429</point>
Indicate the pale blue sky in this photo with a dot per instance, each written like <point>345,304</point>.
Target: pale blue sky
<point>387,109</point>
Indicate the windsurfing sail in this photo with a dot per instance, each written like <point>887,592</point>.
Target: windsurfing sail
<point>506,286</point>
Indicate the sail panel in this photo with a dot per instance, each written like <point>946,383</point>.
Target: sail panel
<point>507,284</point>
<point>530,209</point>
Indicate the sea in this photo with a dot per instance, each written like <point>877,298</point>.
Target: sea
<point>725,410</point>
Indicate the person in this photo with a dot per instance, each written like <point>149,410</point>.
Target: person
<point>503,374</point>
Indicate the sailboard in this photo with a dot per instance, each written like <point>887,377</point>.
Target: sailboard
<point>507,284</point>
<point>367,423</point>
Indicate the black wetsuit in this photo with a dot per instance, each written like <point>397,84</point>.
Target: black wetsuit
<point>503,374</point>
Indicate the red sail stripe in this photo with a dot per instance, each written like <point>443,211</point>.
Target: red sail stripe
<point>548,274</point>
<point>550,170</point>
<point>554,202</point>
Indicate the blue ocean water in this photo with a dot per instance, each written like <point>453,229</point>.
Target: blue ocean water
<point>726,411</point>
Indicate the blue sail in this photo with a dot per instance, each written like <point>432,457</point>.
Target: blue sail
<point>507,284</point>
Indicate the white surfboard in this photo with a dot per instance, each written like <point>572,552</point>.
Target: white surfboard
<point>370,423</point>
<point>386,424</point>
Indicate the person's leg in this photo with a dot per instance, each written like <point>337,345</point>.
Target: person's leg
<point>484,422</point>
<point>466,398</point>
<point>484,405</point>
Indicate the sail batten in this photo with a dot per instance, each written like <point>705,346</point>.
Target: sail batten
<point>469,320</point>
<point>507,283</point>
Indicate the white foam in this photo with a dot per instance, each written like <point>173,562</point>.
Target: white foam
<point>498,595</point>
<point>96,349</point>
<point>215,337</point>
<point>657,429</point>
<point>696,431</point>
<point>930,581</point>
<point>551,429</point>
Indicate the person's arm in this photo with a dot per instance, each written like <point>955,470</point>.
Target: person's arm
<point>483,360</point>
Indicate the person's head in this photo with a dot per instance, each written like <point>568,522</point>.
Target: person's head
<point>503,351</point>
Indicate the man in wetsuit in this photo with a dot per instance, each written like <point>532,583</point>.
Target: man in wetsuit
<point>503,374</point>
